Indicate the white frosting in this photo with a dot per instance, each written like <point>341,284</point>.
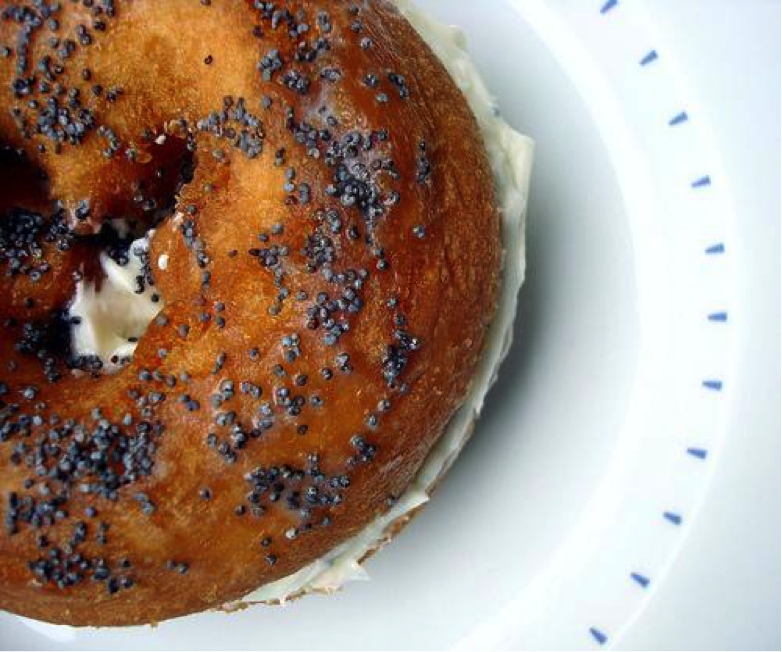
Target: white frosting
<point>115,313</point>
<point>510,154</point>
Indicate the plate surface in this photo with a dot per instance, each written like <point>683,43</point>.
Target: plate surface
<point>616,409</point>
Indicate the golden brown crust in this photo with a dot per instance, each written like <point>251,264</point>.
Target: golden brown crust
<point>370,206</point>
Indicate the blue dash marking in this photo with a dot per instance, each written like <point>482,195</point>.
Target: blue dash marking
<point>608,6</point>
<point>676,519</point>
<point>599,636</point>
<point>639,579</point>
<point>699,453</point>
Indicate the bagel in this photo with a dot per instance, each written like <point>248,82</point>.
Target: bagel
<point>294,203</point>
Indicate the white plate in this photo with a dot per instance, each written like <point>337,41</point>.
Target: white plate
<point>599,445</point>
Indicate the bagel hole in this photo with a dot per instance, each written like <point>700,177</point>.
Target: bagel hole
<point>115,305</point>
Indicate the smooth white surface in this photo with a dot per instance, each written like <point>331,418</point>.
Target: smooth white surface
<point>724,589</point>
<point>531,539</point>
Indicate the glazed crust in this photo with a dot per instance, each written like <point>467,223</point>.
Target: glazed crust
<point>333,248</point>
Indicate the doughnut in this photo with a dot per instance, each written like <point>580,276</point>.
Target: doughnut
<point>302,194</point>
